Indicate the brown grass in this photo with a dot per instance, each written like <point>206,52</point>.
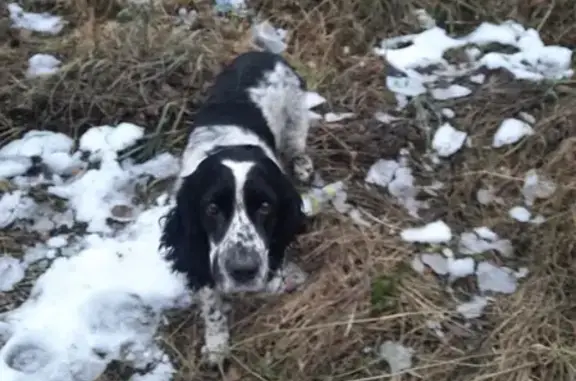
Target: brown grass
<point>361,291</point>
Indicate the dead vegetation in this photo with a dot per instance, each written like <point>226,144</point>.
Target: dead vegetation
<point>139,66</point>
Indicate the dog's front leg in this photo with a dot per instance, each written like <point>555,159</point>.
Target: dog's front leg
<point>287,279</point>
<point>295,144</point>
<point>216,330</point>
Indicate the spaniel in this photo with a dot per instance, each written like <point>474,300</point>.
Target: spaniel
<point>236,208</point>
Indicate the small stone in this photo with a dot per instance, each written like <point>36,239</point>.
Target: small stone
<point>122,213</point>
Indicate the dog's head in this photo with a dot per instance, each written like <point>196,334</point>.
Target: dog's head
<point>234,217</point>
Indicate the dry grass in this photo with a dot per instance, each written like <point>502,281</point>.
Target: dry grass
<point>361,291</point>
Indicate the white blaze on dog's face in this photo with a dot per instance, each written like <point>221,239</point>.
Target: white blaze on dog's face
<point>239,256</point>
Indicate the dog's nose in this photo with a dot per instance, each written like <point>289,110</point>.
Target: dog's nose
<point>244,270</point>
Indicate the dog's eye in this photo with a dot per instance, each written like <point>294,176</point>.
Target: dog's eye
<point>212,209</point>
<point>264,209</point>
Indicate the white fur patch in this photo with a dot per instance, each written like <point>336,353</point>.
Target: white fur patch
<point>204,139</point>
<point>279,95</point>
<point>241,230</point>
<point>217,332</point>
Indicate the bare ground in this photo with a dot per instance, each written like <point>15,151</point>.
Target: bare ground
<point>137,66</point>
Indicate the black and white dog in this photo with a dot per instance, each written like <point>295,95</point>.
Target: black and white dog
<point>236,207</point>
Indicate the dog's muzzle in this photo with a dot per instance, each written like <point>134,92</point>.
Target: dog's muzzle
<point>242,265</point>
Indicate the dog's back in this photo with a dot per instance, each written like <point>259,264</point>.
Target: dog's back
<point>244,72</point>
<point>253,91</point>
<point>257,99</point>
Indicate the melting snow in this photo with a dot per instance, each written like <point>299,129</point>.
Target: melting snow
<point>38,22</point>
<point>520,213</point>
<point>14,166</point>
<point>405,86</point>
<point>434,232</point>
<point>265,35</point>
<point>534,61</point>
<point>478,78</point>
<point>418,265</point>
<point>485,233</point>
<point>448,140</point>
<point>474,308</point>
<point>450,92</point>
<point>397,356</point>
<point>447,265</point>
<point>437,262</point>
<point>11,272</point>
<point>482,240</point>
<point>486,196</point>
<point>448,113</point>
<point>384,117</point>
<point>116,318</point>
<point>42,65</point>
<point>539,219</point>
<point>461,267</point>
<point>511,131</point>
<point>382,172</point>
<point>37,143</point>
<point>333,117</point>
<point>107,139</point>
<point>397,177</point>
<point>314,99</point>
<point>497,279</point>
<point>13,206</point>
<point>95,303</point>
<point>536,186</point>
<point>527,117</point>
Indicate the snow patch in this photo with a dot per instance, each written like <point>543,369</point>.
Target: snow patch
<point>448,113</point>
<point>11,272</point>
<point>486,196</point>
<point>450,92</point>
<point>397,356</point>
<point>409,54</point>
<point>13,206</point>
<point>511,130</point>
<point>520,213</point>
<point>116,318</point>
<point>448,140</point>
<point>37,22</point>
<point>37,143</point>
<point>496,279</point>
<point>481,240</point>
<point>382,172</point>
<point>437,262</point>
<point>397,177</point>
<point>474,308</point>
<point>40,65</point>
<point>478,78</point>
<point>313,99</point>
<point>102,140</point>
<point>434,232</point>
<point>272,39</point>
<point>536,186</point>
<point>333,117</point>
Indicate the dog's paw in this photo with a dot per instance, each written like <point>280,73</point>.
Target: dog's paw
<point>214,357</point>
<point>211,363</point>
<point>289,279</point>
<point>303,168</point>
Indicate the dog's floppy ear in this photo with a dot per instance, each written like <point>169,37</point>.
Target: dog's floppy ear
<point>184,239</point>
<point>290,223</point>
